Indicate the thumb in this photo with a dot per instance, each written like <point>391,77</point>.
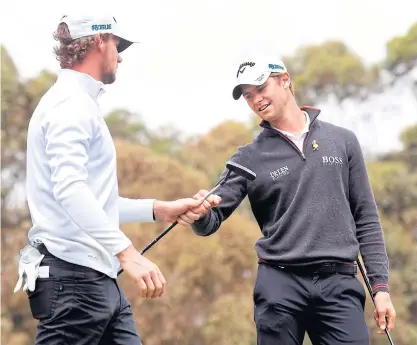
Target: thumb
<point>192,203</point>
<point>381,316</point>
<point>201,194</point>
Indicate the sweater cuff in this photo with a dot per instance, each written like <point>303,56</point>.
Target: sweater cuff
<point>200,226</point>
<point>379,287</point>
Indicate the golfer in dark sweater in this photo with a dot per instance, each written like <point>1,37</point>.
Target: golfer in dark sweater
<point>314,205</point>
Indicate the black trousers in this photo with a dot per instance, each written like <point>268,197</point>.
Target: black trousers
<point>328,306</point>
<point>77,305</point>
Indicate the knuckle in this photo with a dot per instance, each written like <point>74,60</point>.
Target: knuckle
<point>139,278</point>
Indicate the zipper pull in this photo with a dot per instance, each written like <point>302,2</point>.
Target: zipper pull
<point>303,155</point>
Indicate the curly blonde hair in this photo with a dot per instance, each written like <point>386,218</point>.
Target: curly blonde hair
<point>71,52</point>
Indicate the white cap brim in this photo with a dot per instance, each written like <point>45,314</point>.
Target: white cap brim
<point>250,79</point>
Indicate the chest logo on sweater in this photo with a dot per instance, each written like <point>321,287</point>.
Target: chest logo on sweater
<point>332,161</point>
<point>276,174</point>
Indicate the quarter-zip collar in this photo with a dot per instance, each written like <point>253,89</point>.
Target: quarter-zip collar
<point>312,112</point>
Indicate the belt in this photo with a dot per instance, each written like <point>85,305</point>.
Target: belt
<point>41,248</point>
<point>62,268</point>
<point>326,268</point>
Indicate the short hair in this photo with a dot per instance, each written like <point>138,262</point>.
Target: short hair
<point>71,52</point>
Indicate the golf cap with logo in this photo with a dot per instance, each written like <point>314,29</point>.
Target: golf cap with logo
<point>256,72</point>
<point>88,25</point>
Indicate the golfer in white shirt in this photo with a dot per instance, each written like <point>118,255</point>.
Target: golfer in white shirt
<point>72,192</point>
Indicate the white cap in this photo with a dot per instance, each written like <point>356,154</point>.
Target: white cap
<point>88,25</point>
<point>256,72</point>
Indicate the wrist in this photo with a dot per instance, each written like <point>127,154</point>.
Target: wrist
<point>127,254</point>
<point>160,209</point>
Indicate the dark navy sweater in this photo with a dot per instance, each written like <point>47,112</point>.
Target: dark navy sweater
<point>311,207</point>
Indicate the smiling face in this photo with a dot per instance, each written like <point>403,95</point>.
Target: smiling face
<point>269,99</point>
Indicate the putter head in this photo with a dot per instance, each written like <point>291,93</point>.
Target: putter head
<point>241,170</point>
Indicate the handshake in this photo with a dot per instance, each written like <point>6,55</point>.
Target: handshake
<point>147,276</point>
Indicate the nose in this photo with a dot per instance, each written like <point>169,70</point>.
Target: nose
<point>119,58</point>
<point>257,98</point>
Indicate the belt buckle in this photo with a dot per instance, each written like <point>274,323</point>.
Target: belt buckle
<point>326,267</point>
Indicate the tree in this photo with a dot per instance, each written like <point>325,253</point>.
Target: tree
<point>329,68</point>
<point>126,125</point>
<point>394,182</point>
<point>402,52</point>
<point>18,101</point>
<point>209,152</point>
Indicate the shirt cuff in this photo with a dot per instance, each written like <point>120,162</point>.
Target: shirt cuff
<point>136,210</point>
<point>121,246</point>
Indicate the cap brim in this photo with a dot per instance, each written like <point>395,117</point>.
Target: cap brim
<point>125,40</point>
<point>237,90</point>
<point>124,44</point>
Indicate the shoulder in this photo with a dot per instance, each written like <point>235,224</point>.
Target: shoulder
<point>71,113</point>
<point>336,131</point>
<point>339,136</point>
<point>74,107</point>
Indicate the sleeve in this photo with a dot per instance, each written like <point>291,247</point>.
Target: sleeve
<point>68,136</point>
<point>136,210</point>
<point>368,226</point>
<point>232,193</point>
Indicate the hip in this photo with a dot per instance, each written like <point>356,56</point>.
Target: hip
<point>84,252</point>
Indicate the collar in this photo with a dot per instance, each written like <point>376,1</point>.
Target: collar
<point>312,113</point>
<point>77,79</point>
<point>305,129</point>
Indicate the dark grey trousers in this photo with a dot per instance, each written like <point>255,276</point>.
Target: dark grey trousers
<point>77,305</point>
<point>328,306</point>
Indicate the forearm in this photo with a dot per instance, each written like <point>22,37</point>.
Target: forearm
<point>373,252</point>
<point>136,210</point>
<point>83,209</point>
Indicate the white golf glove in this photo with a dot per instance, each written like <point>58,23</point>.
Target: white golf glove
<point>29,263</point>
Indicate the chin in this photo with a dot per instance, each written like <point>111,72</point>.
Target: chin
<point>109,78</point>
<point>267,116</point>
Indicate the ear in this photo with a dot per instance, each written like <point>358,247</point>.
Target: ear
<point>286,80</point>
<point>100,44</point>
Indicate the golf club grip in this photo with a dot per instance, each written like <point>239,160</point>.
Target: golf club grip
<point>162,234</point>
<point>368,285</point>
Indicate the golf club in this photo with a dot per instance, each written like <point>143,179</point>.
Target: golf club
<point>232,167</point>
<point>368,285</point>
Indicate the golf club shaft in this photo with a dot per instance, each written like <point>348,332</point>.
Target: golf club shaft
<point>368,285</point>
<point>162,234</point>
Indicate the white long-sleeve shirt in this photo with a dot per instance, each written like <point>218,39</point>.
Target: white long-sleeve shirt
<point>71,184</point>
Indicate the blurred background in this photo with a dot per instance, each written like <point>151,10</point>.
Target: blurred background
<point>175,124</point>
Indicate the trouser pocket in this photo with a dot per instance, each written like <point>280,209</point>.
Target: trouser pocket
<point>42,300</point>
